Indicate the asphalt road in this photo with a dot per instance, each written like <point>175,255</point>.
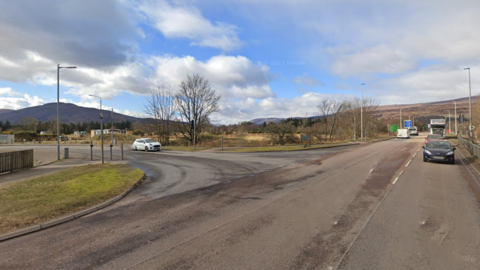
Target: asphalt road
<point>375,206</point>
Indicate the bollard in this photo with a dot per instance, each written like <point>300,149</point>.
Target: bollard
<point>66,153</point>
<point>121,148</point>
<point>111,152</point>
<point>91,150</point>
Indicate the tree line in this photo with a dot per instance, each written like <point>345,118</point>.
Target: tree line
<point>30,124</point>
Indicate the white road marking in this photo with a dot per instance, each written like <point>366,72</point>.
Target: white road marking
<point>396,179</point>
<point>371,171</point>
<point>408,163</point>
<point>415,154</point>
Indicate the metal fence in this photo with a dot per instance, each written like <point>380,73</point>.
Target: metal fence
<point>18,160</point>
<point>472,148</point>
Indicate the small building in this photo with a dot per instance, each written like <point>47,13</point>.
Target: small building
<point>95,132</point>
<point>7,138</point>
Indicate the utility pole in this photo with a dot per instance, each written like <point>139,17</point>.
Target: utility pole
<point>361,115</point>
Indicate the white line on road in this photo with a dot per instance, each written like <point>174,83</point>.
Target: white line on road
<point>415,154</point>
<point>408,163</point>
<point>371,171</point>
<point>396,179</point>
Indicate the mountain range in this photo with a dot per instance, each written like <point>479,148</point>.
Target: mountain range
<point>69,113</point>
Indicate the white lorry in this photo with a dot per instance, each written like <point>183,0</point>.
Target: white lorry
<point>403,133</point>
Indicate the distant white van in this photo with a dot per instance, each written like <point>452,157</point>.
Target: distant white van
<point>403,133</point>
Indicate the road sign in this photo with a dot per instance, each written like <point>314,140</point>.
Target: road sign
<point>394,128</point>
<point>407,123</point>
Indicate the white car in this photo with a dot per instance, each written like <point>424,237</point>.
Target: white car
<point>413,131</point>
<point>146,144</point>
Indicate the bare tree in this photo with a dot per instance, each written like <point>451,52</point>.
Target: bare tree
<point>28,123</point>
<point>324,110</point>
<point>195,101</point>
<point>160,110</point>
<point>336,108</point>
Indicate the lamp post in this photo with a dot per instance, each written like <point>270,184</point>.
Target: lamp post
<point>455,117</point>
<point>101,124</point>
<point>449,127</point>
<point>401,117</point>
<point>58,110</point>
<point>361,115</point>
<point>469,103</point>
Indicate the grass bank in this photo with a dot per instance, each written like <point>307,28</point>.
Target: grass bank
<point>31,202</point>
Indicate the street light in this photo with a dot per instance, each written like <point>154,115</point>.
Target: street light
<point>101,124</point>
<point>455,116</point>
<point>401,117</point>
<point>469,103</point>
<point>58,110</point>
<point>449,127</point>
<point>361,115</point>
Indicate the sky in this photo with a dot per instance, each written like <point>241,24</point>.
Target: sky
<point>268,58</point>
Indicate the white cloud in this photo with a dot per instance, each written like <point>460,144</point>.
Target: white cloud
<point>188,22</point>
<point>248,109</point>
<point>232,77</point>
<point>16,103</point>
<point>252,91</point>
<point>378,59</point>
<point>7,91</point>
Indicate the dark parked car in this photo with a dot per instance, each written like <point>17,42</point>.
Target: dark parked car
<point>438,150</point>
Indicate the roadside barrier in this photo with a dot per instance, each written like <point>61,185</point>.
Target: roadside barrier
<point>472,148</point>
<point>18,160</point>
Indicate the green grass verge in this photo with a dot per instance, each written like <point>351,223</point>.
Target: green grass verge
<point>34,201</point>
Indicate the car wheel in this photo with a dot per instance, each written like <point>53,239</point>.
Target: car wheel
<point>424,159</point>
<point>146,149</point>
<point>135,149</point>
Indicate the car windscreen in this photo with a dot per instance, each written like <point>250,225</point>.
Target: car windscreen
<point>434,136</point>
<point>438,145</point>
<point>149,141</point>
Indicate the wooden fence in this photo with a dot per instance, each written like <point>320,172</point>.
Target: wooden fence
<point>18,160</point>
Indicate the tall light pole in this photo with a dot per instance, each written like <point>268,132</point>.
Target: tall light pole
<point>58,110</point>
<point>469,103</point>
<point>361,115</point>
<point>101,124</point>
<point>449,127</point>
<point>401,117</point>
<point>455,117</point>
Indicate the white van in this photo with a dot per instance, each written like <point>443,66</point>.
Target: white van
<point>403,133</point>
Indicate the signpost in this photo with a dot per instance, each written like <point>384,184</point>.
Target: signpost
<point>407,123</point>
<point>394,128</point>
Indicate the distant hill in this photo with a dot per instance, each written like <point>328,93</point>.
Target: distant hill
<point>69,113</point>
<point>420,111</point>
<point>260,121</point>
<point>5,110</point>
